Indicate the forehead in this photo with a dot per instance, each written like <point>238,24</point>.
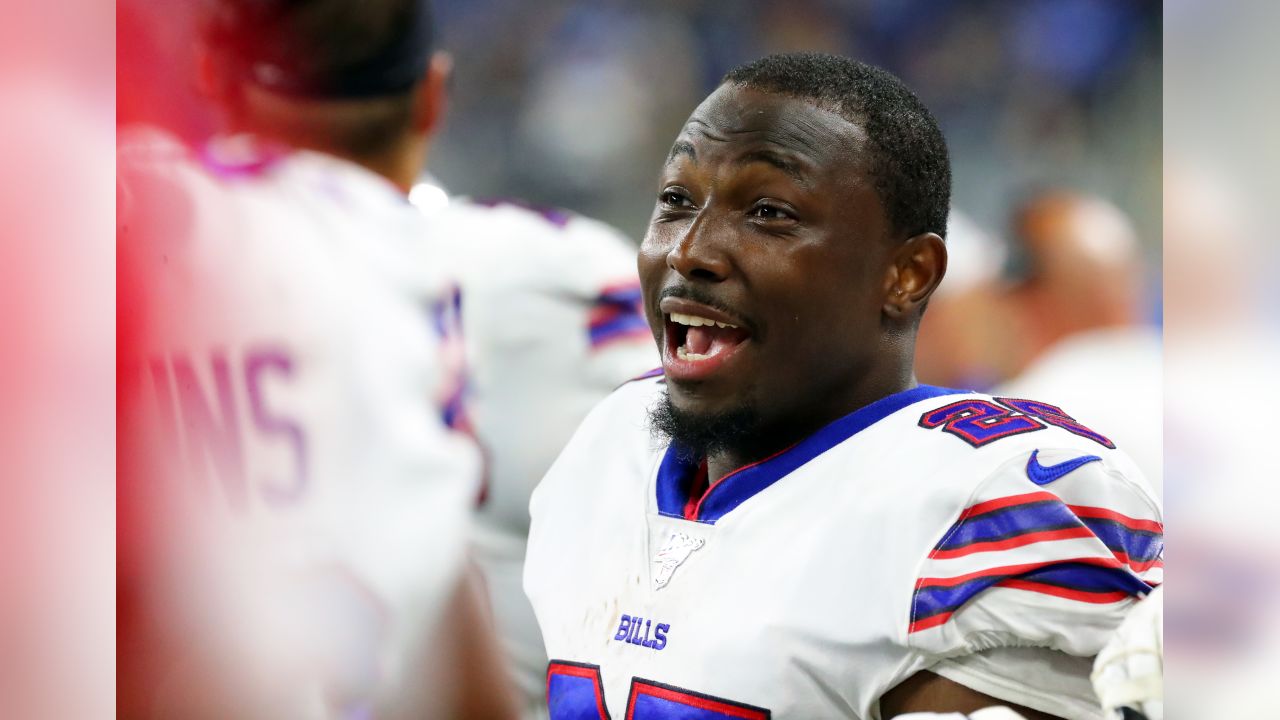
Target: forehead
<point>734,120</point>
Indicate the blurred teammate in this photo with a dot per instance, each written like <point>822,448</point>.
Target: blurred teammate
<point>964,338</point>
<point>297,488</point>
<point>1223,631</point>
<point>1077,321</point>
<point>786,524</point>
<point>552,324</point>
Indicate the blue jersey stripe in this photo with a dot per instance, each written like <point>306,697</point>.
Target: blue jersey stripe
<point>932,600</point>
<point>1016,520</point>
<point>678,466</point>
<point>1009,522</point>
<point>1139,545</point>
<point>621,324</point>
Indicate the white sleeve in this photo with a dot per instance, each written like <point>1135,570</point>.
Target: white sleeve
<point>1038,678</point>
<point>1030,581</point>
<point>553,322</point>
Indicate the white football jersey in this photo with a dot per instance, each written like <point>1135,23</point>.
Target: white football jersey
<point>300,354</point>
<point>993,541</point>
<point>552,323</point>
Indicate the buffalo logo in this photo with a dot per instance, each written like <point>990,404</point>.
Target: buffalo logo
<point>672,554</point>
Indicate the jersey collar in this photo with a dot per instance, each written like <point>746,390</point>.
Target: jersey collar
<point>677,470</point>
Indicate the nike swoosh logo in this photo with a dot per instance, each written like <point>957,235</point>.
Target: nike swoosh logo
<point>1045,474</point>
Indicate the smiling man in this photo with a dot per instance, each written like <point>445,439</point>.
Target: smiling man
<point>784,523</point>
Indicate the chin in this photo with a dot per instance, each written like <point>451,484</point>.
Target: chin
<point>700,428</point>
<point>697,399</point>
<point>702,424</point>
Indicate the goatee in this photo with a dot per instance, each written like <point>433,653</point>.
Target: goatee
<point>697,436</point>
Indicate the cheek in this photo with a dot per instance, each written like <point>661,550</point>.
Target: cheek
<point>652,257</point>
<point>659,239</point>
<point>651,265</point>
<point>826,304</point>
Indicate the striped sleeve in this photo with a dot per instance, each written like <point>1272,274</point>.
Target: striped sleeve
<point>617,314</point>
<point>1053,565</point>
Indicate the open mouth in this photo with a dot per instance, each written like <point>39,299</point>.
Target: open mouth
<point>697,345</point>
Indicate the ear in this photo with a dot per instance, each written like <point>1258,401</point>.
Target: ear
<point>917,268</point>
<point>433,94</point>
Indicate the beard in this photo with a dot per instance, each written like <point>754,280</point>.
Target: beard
<point>696,436</point>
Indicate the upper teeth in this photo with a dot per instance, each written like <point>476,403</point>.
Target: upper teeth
<point>696,321</point>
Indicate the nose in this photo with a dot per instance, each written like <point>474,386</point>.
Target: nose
<point>697,254</point>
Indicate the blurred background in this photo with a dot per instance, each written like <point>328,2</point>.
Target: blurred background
<point>574,103</point>
<point>1052,110</point>
<point>1221,351</point>
<point>578,102</point>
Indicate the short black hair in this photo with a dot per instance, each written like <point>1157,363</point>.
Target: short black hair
<point>909,160</point>
<point>350,65</point>
<point>324,48</point>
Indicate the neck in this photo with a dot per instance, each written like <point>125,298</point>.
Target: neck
<point>401,165</point>
<point>399,155</point>
<point>402,168</point>
<point>783,433</point>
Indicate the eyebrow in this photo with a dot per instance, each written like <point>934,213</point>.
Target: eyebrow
<point>781,162</point>
<point>682,147</point>
<point>770,157</point>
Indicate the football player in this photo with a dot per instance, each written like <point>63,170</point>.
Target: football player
<point>297,481</point>
<point>552,323</point>
<point>785,524</point>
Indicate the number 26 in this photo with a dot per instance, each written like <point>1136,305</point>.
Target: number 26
<point>979,422</point>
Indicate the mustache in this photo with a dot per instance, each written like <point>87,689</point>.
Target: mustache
<point>697,294</point>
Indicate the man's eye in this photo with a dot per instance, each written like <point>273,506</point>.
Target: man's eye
<point>674,198</point>
<point>771,212</point>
